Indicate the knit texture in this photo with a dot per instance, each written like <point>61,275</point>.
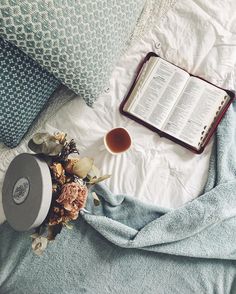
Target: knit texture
<point>125,246</point>
<point>25,87</point>
<point>77,41</point>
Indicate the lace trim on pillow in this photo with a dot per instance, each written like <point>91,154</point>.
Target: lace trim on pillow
<point>152,14</point>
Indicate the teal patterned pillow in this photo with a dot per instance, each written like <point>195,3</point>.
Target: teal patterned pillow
<point>24,89</point>
<point>78,41</point>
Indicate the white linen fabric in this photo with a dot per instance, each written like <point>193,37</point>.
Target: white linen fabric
<point>200,37</point>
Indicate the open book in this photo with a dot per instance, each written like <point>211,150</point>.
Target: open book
<point>176,104</point>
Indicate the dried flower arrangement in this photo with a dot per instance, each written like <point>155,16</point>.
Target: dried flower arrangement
<point>71,178</point>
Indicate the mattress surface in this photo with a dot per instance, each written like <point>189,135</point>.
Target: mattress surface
<point>196,36</point>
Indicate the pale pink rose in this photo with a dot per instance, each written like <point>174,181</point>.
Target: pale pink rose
<point>73,197</point>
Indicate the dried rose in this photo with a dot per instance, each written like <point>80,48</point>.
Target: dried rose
<point>73,197</point>
<point>39,244</point>
<point>57,169</point>
<point>73,215</point>
<point>58,172</point>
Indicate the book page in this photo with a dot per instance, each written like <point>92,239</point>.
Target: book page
<point>157,99</point>
<point>196,109</point>
<point>142,80</point>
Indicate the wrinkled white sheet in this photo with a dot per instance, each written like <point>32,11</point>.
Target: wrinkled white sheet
<point>197,35</point>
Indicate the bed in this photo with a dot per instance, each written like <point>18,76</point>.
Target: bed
<point>200,37</point>
<point>179,175</point>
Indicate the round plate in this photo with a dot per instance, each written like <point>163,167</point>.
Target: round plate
<point>26,192</point>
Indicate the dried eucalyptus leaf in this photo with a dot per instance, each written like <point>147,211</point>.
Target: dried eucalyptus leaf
<point>35,147</point>
<point>39,138</point>
<point>44,143</point>
<point>82,167</point>
<point>98,180</point>
<point>51,148</point>
<point>54,151</point>
<point>70,227</point>
<point>47,159</point>
<point>89,178</point>
<point>94,172</point>
<point>47,148</point>
<point>34,235</point>
<point>96,200</point>
<point>41,230</point>
<point>39,245</point>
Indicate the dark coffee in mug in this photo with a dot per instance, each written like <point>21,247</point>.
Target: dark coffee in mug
<point>117,140</point>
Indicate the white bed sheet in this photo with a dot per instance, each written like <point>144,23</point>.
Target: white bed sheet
<point>197,36</point>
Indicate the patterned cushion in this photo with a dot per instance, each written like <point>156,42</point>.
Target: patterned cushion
<point>77,41</point>
<point>24,89</point>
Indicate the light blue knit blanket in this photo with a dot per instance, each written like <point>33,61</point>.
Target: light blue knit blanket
<point>125,246</point>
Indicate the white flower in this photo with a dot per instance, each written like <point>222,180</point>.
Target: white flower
<point>39,244</point>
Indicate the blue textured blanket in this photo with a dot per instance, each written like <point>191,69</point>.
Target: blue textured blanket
<point>124,246</point>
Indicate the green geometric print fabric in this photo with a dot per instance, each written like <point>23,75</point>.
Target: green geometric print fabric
<point>24,89</point>
<point>77,41</point>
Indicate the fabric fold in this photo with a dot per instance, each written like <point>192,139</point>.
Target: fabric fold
<point>203,228</point>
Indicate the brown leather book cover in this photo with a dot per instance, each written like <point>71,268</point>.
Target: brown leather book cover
<point>163,134</point>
